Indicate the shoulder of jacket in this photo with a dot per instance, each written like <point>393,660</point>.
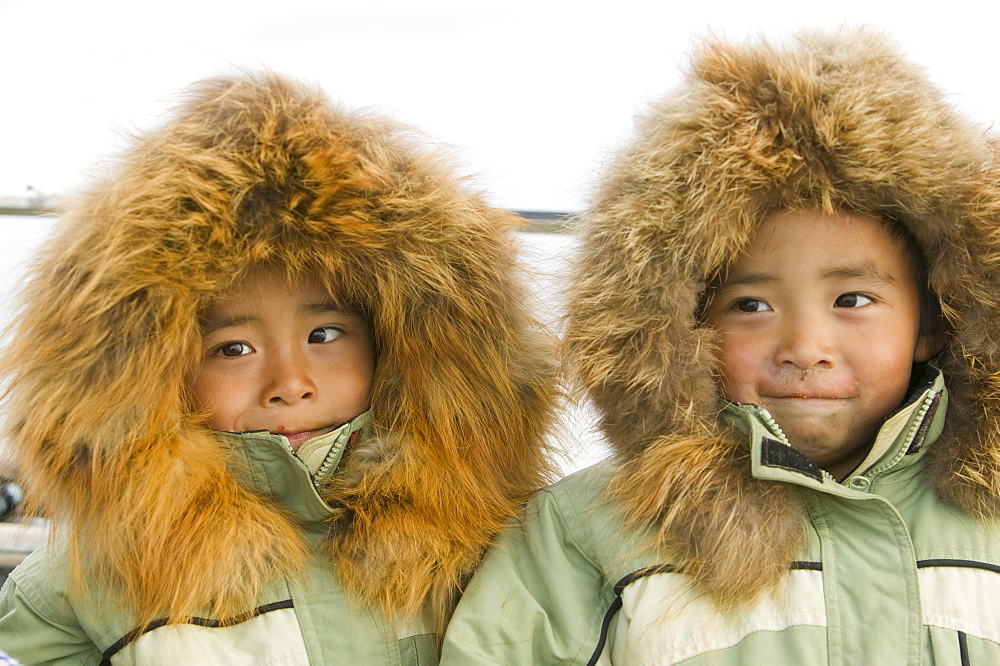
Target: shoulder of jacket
<point>586,486</point>
<point>42,580</point>
<point>583,505</point>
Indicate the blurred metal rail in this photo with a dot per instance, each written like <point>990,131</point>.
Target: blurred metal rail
<point>537,221</point>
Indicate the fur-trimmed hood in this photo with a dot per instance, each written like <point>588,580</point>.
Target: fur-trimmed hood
<point>829,121</point>
<point>247,170</point>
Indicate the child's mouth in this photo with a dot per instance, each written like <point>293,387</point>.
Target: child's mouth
<point>296,439</point>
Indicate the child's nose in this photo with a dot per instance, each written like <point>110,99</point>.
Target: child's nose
<point>291,381</point>
<point>805,346</point>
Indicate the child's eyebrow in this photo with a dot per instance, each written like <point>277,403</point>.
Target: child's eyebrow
<point>211,325</point>
<point>747,279</point>
<point>328,307</point>
<point>864,269</point>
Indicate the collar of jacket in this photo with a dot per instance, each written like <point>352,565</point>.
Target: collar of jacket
<point>266,464</point>
<point>900,444</point>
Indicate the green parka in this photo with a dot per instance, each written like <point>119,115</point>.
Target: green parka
<point>300,620</point>
<point>887,572</point>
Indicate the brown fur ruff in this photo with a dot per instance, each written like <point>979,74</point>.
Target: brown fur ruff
<point>256,169</point>
<point>833,121</point>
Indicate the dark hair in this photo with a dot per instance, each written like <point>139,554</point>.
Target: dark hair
<point>931,318</point>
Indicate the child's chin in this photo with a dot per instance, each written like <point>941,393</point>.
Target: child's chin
<point>826,449</point>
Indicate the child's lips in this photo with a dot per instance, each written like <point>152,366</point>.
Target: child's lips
<point>807,396</point>
<point>804,404</point>
<point>297,437</point>
<point>807,391</point>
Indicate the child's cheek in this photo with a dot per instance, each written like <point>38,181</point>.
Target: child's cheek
<point>738,369</point>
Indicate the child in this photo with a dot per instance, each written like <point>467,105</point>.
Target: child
<point>276,386</point>
<point>806,461</point>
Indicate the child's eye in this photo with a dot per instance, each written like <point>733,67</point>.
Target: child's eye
<point>852,300</point>
<point>232,349</point>
<point>751,305</point>
<point>324,334</point>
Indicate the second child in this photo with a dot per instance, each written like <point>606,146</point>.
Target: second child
<point>786,310</point>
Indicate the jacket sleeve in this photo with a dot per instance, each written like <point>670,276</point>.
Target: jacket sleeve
<point>31,635</point>
<point>537,598</point>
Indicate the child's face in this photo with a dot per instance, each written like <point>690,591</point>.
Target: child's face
<point>819,324</point>
<point>282,358</point>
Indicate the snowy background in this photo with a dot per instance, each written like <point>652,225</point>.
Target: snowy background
<point>533,95</point>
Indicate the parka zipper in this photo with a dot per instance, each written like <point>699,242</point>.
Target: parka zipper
<point>773,427</point>
<point>910,436</point>
<point>319,479</point>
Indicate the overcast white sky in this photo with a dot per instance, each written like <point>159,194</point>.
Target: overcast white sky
<point>533,94</point>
